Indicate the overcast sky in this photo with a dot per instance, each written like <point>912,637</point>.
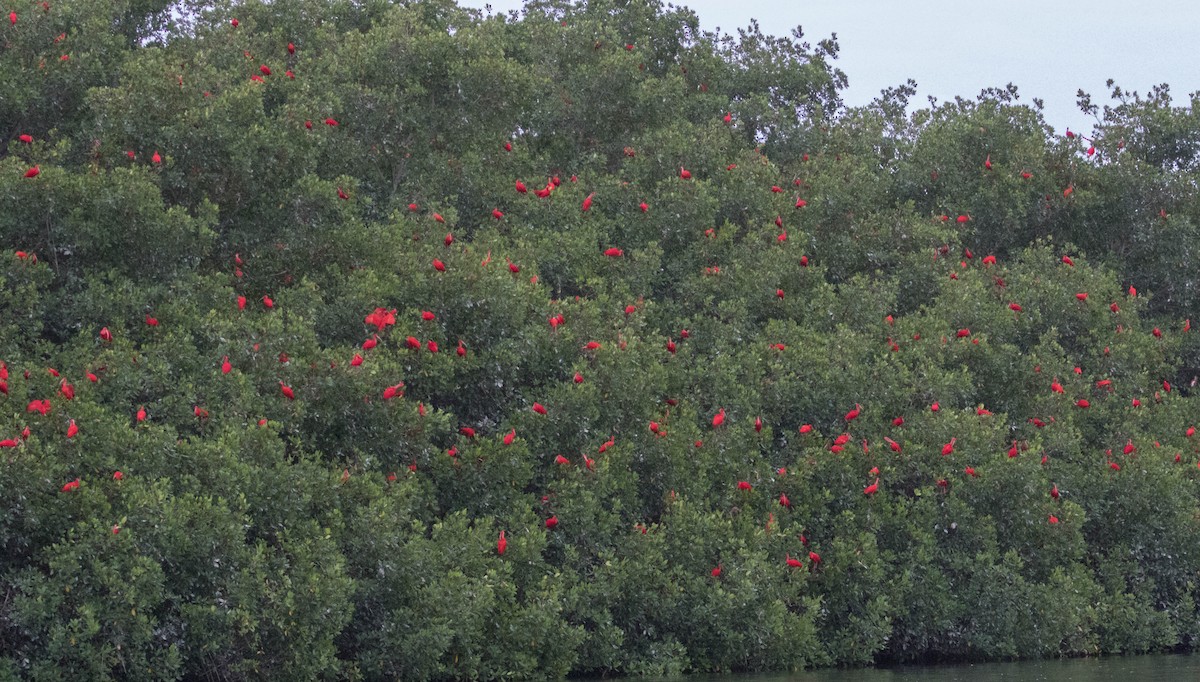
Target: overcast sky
<point>1048,48</point>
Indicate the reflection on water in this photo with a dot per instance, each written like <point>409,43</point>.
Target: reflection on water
<point>1162,668</point>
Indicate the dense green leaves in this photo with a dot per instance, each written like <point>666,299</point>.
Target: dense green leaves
<point>285,348</point>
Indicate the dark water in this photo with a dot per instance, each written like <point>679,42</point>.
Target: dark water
<point>1162,668</point>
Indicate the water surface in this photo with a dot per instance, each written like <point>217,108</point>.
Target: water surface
<point>1159,668</point>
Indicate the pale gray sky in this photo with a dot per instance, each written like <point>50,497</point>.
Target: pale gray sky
<point>1048,48</point>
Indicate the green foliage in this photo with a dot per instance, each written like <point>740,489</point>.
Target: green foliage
<point>420,357</point>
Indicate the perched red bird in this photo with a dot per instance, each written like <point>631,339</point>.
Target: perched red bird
<point>871,489</point>
<point>439,265</point>
<point>552,522</point>
<point>793,563</point>
<point>587,202</point>
<point>287,391</point>
<point>501,544</point>
<point>33,172</point>
<point>539,408</point>
<point>853,414</point>
<point>510,437</point>
<point>614,252</point>
<point>685,174</point>
<point>27,139</point>
<point>72,429</point>
<point>719,418</point>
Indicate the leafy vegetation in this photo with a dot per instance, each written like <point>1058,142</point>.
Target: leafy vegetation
<point>390,340</point>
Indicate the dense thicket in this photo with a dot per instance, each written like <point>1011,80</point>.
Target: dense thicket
<point>306,305</point>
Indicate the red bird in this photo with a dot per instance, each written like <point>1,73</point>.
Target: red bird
<point>268,302</point>
<point>719,418</point>
<point>587,202</point>
<point>105,335</point>
<point>156,159</point>
<point>331,122</point>
<point>439,265</point>
<point>685,174</point>
<point>72,429</point>
<point>1082,403</point>
<point>510,437</point>
<point>552,522</point>
<point>614,252</point>
<point>793,563</point>
<point>501,544</point>
<point>871,489</point>
<point>27,139</point>
<point>287,391</point>
<point>1053,519</point>
<point>33,172</point>
<point>784,501</point>
<point>1067,260</point>
<point>892,444</point>
<point>141,414</point>
<point>291,48</point>
<point>342,194</point>
<point>1054,491</point>
<point>644,206</point>
<point>948,448</point>
<point>71,486</point>
<point>1082,296</point>
<point>853,414</point>
<point>264,70</point>
<point>758,424</point>
<point>521,187</point>
<point>497,214</point>
<point>744,485</point>
<point>539,408</point>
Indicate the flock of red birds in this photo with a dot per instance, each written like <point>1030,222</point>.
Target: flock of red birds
<point>380,319</point>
